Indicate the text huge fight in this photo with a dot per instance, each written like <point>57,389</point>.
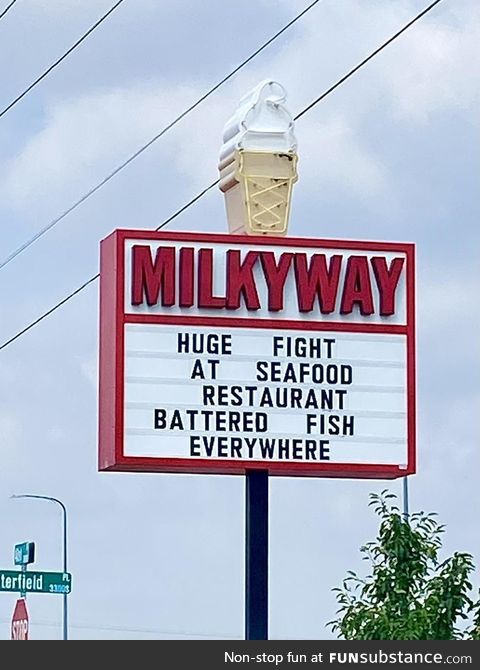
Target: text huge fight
<point>185,278</point>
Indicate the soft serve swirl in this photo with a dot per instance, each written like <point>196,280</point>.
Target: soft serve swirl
<point>261,122</point>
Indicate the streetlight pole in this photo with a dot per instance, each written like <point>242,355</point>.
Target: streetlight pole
<point>65,550</point>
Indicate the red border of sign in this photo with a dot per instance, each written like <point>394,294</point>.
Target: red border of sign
<point>113,320</point>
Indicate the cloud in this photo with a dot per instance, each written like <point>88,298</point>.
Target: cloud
<point>72,6</point>
<point>11,446</point>
<point>89,370</point>
<point>437,77</point>
<point>425,72</point>
<point>336,156</point>
<point>9,430</point>
<point>85,136</point>
<point>447,301</point>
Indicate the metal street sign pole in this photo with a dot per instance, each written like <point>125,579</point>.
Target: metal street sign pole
<point>65,569</point>
<point>24,554</point>
<point>256,555</point>
<point>65,559</point>
<point>23,594</point>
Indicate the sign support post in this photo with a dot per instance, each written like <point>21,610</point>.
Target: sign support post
<point>23,594</point>
<point>256,555</point>
<point>405,499</point>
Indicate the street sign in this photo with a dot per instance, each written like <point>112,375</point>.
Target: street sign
<point>24,553</point>
<point>35,582</point>
<point>222,353</point>
<point>19,627</point>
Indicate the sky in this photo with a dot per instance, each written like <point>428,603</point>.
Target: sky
<point>391,155</point>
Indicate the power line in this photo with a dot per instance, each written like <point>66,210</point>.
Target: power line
<point>2,14</point>
<point>59,60</point>
<point>83,286</point>
<point>49,311</point>
<point>365,60</point>
<point>164,130</point>
<point>208,188</point>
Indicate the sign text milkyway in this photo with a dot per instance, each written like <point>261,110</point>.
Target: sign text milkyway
<point>186,278</point>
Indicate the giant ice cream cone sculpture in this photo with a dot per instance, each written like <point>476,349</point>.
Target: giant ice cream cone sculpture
<point>258,163</point>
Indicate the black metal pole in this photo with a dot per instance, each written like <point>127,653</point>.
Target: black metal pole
<point>256,555</point>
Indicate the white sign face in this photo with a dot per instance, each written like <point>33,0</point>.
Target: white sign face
<point>222,354</point>
<point>336,398</point>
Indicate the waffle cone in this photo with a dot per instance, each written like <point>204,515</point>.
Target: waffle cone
<point>258,191</point>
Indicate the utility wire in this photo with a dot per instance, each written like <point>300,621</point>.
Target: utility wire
<point>140,151</point>
<point>59,60</point>
<point>2,14</point>
<point>79,289</point>
<point>365,60</point>
<point>208,188</point>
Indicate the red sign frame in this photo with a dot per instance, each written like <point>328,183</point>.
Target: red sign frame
<point>113,320</point>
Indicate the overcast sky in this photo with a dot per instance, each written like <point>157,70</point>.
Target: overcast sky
<point>391,155</point>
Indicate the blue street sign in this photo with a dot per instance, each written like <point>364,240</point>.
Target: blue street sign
<point>24,553</point>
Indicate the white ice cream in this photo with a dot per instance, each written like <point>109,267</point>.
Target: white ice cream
<point>261,122</point>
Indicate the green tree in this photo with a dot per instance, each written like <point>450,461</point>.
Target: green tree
<point>409,594</point>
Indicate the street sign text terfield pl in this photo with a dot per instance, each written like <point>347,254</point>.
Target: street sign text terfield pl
<point>223,353</point>
<point>35,582</point>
